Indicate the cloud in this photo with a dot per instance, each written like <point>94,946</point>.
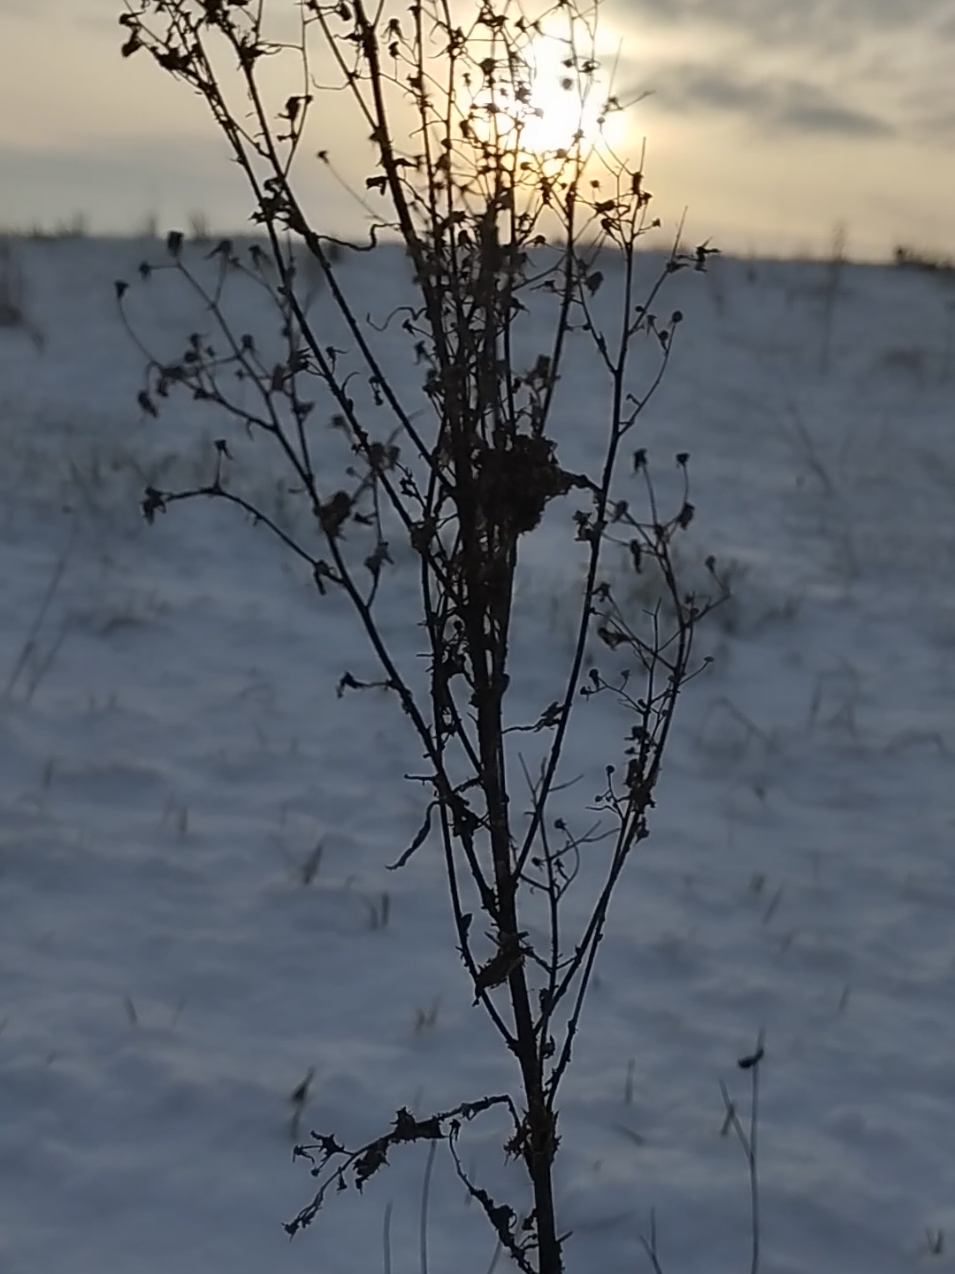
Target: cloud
<point>936,121</point>
<point>93,15</point>
<point>803,21</point>
<point>842,68</point>
<point>771,105</point>
<point>31,8</point>
<point>929,102</point>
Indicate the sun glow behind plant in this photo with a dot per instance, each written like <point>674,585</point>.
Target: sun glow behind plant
<point>570,97</point>
<point>547,99</point>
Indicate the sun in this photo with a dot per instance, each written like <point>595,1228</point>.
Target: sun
<point>569,101</point>
<point>548,100</point>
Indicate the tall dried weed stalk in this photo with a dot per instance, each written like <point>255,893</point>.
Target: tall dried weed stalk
<point>509,238</point>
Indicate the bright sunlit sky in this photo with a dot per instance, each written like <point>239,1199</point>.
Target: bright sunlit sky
<point>773,121</point>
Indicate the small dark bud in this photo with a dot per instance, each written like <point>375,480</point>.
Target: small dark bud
<point>752,1059</point>
<point>153,503</point>
<point>174,242</point>
<point>146,403</point>
<point>121,287</point>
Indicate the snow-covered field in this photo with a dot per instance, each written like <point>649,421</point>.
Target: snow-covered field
<point>172,751</point>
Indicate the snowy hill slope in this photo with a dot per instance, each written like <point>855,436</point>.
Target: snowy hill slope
<point>172,750</point>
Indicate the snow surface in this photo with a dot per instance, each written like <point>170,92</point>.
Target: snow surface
<point>172,751</point>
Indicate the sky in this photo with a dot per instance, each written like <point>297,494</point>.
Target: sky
<point>775,123</point>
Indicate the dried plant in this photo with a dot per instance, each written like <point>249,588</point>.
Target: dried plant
<point>14,312</point>
<point>510,232</point>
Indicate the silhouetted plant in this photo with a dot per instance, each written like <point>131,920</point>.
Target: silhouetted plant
<point>510,235</point>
